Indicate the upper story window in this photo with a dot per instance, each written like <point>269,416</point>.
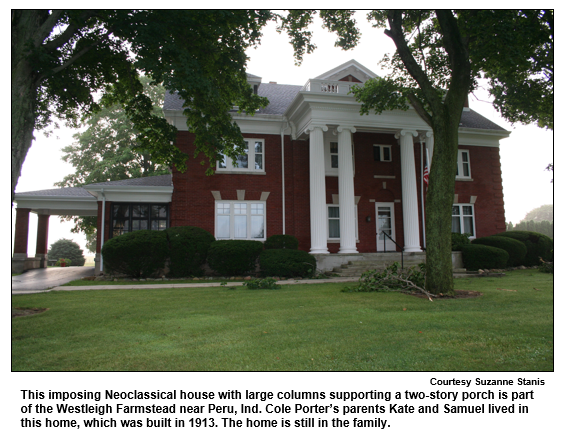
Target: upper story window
<point>128,217</point>
<point>251,161</point>
<point>382,153</point>
<point>332,158</point>
<point>463,164</point>
<point>334,152</point>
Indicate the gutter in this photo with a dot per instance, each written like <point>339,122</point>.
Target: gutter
<point>103,225</point>
<point>283,128</point>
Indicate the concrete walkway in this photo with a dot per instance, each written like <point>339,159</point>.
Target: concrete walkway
<point>40,280</point>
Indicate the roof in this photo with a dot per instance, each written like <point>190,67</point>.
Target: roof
<point>473,120</point>
<point>81,192</point>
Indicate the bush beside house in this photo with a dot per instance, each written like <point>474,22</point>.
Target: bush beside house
<point>281,242</point>
<point>188,250</point>
<point>539,246</point>
<point>478,256</point>
<point>287,263</point>
<point>234,257</point>
<point>66,249</point>
<point>137,254</point>
<point>516,249</point>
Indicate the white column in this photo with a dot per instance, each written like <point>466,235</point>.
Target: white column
<point>317,204</point>
<point>409,192</point>
<point>346,190</point>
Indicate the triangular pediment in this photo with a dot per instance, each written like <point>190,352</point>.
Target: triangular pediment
<point>350,71</point>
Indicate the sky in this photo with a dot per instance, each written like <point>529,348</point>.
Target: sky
<point>524,155</point>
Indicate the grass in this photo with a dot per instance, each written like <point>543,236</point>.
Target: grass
<point>297,328</point>
<point>83,282</point>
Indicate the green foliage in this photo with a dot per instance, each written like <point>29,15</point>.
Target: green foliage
<point>281,242</point>
<point>234,257</point>
<point>544,227</point>
<point>539,246</point>
<point>392,278</point>
<point>459,239</point>
<point>62,262</point>
<point>287,263</point>
<point>67,249</point>
<point>262,284</point>
<point>478,256</point>
<point>142,253</point>
<point>516,249</point>
<point>63,59</point>
<point>188,250</point>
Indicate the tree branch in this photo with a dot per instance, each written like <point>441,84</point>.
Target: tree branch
<point>418,106</point>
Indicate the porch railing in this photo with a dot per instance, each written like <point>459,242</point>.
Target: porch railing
<point>391,239</point>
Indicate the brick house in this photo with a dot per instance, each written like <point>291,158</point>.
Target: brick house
<point>341,182</point>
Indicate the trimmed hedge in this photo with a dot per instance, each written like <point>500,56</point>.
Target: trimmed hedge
<point>459,240</point>
<point>137,254</point>
<point>516,249</point>
<point>188,247</point>
<point>281,242</point>
<point>234,257</point>
<point>478,256</point>
<point>539,246</point>
<point>287,263</point>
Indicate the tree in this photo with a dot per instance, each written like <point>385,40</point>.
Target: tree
<point>61,60</point>
<point>67,249</point>
<point>109,150</point>
<point>542,213</point>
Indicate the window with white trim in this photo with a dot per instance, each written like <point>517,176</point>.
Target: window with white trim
<point>382,153</point>
<point>240,220</point>
<point>463,164</point>
<point>463,219</point>
<point>252,160</point>
<point>334,152</point>
<point>334,221</point>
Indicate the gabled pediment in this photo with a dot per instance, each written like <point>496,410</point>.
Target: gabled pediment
<point>350,71</point>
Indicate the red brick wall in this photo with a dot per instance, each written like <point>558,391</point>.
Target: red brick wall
<point>22,230</point>
<point>99,225</point>
<point>193,203</point>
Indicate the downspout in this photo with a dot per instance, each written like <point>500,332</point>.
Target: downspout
<point>282,130</point>
<point>423,150</point>
<point>103,225</point>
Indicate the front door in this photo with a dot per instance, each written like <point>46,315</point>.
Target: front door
<point>385,224</point>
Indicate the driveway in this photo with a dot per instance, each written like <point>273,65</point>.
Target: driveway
<point>42,279</point>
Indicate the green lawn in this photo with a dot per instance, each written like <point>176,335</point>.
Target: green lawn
<point>297,328</point>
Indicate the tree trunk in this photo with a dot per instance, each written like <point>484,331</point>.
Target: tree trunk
<point>24,89</point>
<point>438,225</point>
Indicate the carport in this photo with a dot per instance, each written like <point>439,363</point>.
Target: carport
<point>44,203</point>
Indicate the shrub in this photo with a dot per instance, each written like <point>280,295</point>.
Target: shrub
<point>67,249</point>
<point>516,249</point>
<point>546,267</point>
<point>539,246</point>
<point>142,253</point>
<point>234,257</point>
<point>188,250</point>
<point>262,284</point>
<point>287,263</point>
<point>459,240</point>
<point>478,256</point>
<point>281,242</point>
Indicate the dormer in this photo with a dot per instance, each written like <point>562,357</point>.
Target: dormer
<point>339,80</point>
<point>254,81</point>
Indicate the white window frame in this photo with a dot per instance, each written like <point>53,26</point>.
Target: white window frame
<point>232,168</point>
<point>460,165</point>
<point>381,148</point>
<point>462,216</point>
<point>232,213</point>
<point>334,239</point>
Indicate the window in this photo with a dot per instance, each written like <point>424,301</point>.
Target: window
<point>382,153</point>
<point>252,160</point>
<point>127,217</point>
<point>334,152</point>
<point>240,220</point>
<point>334,221</point>
<point>463,164</point>
<point>463,219</point>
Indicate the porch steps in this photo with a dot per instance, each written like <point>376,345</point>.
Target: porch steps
<point>377,261</point>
